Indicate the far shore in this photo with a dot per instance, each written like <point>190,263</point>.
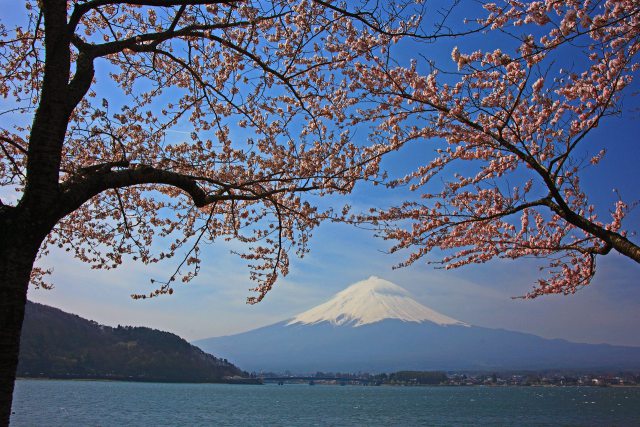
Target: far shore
<point>258,381</point>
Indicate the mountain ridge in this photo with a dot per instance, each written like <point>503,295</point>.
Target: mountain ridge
<point>56,344</point>
<point>334,336</point>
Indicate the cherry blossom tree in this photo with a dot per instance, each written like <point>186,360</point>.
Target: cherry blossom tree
<point>512,130</point>
<point>179,122</point>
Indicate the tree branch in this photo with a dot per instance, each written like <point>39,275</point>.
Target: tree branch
<point>75,193</point>
<point>83,8</point>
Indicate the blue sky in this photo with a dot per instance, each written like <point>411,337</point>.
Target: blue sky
<point>214,303</point>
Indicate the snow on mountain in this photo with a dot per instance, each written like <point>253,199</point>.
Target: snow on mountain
<point>370,301</point>
<point>375,326</point>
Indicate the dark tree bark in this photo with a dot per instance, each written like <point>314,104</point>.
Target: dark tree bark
<point>21,239</point>
<point>23,228</point>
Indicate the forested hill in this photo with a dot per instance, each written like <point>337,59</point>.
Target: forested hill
<point>56,344</point>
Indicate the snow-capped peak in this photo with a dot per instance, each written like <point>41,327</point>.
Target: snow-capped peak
<point>370,301</point>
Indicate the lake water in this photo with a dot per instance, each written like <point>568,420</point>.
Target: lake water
<point>96,403</point>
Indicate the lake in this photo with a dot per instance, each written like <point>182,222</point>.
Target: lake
<point>102,403</point>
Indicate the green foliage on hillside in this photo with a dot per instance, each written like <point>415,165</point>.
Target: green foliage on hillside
<point>56,344</point>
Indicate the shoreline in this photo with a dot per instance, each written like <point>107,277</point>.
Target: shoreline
<point>258,381</point>
<point>237,381</point>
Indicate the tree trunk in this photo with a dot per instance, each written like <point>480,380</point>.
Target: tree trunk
<point>18,250</point>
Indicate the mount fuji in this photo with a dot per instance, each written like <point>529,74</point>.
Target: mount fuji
<point>375,326</point>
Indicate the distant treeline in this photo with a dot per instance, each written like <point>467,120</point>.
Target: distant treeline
<point>400,377</point>
<point>418,377</point>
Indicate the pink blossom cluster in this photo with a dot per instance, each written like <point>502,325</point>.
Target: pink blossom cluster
<point>515,120</point>
<point>207,121</point>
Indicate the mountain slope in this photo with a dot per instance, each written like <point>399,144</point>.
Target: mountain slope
<point>371,301</point>
<point>62,345</point>
<point>399,334</point>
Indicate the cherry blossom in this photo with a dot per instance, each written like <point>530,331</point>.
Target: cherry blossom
<point>520,124</point>
<point>139,130</point>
